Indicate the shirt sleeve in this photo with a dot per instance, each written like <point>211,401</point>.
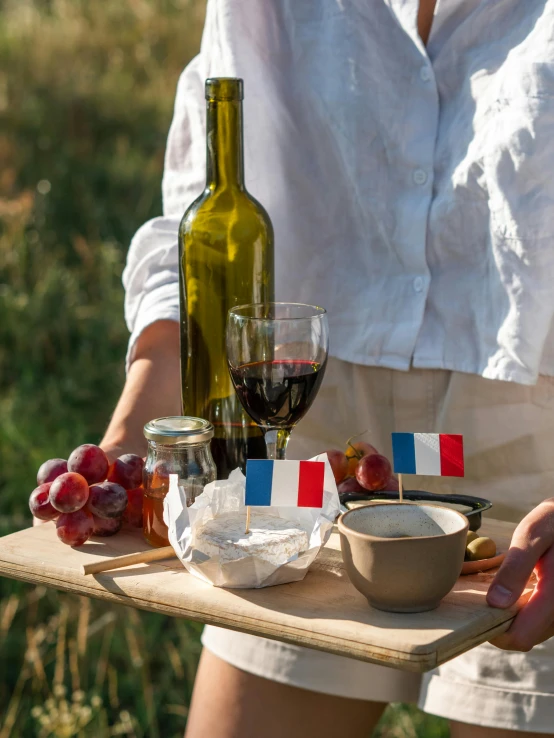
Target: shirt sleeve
<point>151,275</point>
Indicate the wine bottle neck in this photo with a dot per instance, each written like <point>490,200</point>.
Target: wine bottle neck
<point>225,161</point>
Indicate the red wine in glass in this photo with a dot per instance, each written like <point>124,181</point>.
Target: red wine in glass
<point>276,394</point>
<point>277,354</point>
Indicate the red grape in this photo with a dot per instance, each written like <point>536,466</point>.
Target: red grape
<point>39,503</point>
<point>127,471</point>
<point>50,470</point>
<point>105,526</point>
<point>133,512</point>
<point>107,500</point>
<point>75,528</point>
<point>339,464</point>
<point>89,461</point>
<point>69,492</point>
<point>157,478</point>
<point>355,452</point>
<point>350,485</point>
<point>160,475</point>
<point>373,472</point>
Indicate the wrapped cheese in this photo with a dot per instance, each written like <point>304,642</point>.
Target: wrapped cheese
<point>270,538</point>
<point>209,536</point>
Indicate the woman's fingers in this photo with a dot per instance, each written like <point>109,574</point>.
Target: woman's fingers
<point>535,621</point>
<point>532,549</point>
<point>531,539</point>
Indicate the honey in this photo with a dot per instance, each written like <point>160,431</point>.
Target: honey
<point>155,530</point>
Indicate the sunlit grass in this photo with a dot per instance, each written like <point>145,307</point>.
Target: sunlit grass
<point>81,668</point>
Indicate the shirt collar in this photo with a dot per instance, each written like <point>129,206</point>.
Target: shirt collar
<point>405,12</point>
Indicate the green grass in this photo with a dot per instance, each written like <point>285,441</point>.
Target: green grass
<point>86,97</point>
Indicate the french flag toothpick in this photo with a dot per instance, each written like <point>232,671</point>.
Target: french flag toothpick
<point>435,454</point>
<point>284,483</point>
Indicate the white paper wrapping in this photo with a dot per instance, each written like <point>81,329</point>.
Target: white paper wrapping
<point>225,496</point>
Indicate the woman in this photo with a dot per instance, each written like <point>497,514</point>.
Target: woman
<point>404,151</point>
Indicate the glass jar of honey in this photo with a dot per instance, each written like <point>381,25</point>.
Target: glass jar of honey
<point>176,445</point>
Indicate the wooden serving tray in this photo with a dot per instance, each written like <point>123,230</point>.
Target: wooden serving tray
<point>324,611</point>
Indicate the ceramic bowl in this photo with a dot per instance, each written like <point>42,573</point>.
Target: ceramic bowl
<point>403,557</point>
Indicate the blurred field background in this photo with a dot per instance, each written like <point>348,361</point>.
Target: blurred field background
<point>86,97</point>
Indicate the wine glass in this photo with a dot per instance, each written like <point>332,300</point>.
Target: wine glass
<point>277,353</point>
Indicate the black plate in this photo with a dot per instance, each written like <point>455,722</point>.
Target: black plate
<point>478,504</point>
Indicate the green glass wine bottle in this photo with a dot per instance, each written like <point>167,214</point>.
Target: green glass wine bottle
<point>226,259</point>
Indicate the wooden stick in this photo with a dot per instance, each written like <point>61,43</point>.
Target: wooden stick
<point>247,519</point>
<point>117,562</point>
<point>400,488</point>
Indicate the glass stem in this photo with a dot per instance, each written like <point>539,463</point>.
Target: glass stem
<point>276,443</point>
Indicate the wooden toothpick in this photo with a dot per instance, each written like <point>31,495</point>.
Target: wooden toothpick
<point>117,562</point>
<point>400,488</point>
<point>247,519</point>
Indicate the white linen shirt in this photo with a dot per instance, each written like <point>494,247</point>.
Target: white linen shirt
<point>411,189</point>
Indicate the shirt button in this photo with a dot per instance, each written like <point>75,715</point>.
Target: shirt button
<point>418,284</point>
<point>425,74</point>
<point>420,176</point>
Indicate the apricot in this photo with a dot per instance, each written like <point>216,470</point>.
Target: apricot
<point>339,464</point>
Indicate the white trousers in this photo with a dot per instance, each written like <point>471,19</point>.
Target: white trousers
<point>508,434</point>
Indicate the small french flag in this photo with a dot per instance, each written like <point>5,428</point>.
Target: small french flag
<point>435,454</point>
<point>284,483</point>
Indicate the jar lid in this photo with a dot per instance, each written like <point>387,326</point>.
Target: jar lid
<point>178,429</point>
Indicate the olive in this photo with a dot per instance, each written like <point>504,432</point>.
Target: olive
<point>472,536</point>
<point>481,548</point>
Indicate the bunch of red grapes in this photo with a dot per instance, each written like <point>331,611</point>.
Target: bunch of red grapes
<point>361,469</point>
<point>87,496</point>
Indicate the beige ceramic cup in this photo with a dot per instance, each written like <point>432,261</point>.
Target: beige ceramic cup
<point>403,557</point>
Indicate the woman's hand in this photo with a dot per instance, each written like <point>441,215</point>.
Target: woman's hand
<point>114,450</point>
<point>532,549</point>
